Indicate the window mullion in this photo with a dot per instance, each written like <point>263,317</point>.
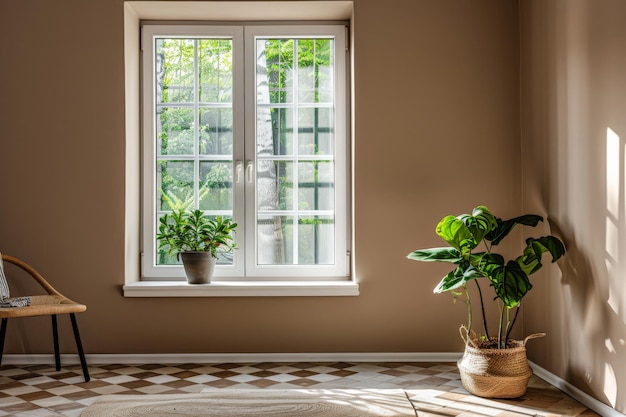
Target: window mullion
<point>296,153</point>
<point>196,125</point>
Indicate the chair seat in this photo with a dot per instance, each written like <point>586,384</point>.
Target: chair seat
<point>44,305</point>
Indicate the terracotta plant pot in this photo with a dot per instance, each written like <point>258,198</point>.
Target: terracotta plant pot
<point>199,266</point>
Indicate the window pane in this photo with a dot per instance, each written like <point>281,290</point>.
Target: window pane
<point>174,64</point>
<point>316,238</point>
<point>315,69</point>
<point>281,135</point>
<point>315,131</point>
<point>316,185</point>
<point>275,181</point>
<point>216,131</point>
<point>175,132</point>
<point>275,240</point>
<point>216,190</point>
<point>175,184</point>
<point>215,64</point>
<point>278,69</point>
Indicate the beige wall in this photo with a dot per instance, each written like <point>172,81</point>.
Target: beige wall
<point>574,90</point>
<point>436,96</point>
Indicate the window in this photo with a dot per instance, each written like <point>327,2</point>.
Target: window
<point>249,122</point>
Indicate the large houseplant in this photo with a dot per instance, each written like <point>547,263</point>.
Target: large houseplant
<point>509,280</point>
<point>195,239</point>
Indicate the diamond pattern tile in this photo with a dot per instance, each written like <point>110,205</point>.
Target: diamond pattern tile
<point>434,389</point>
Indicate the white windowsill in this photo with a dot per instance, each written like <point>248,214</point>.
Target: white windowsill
<point>241,289</point>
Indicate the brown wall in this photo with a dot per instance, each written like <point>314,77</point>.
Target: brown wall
<point>574,90</point>
<point>436,132</point>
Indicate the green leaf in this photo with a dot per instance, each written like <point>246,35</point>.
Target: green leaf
<point>504,227</point>
<point>454,231</point>
<point>436,255</point>
<point>510,283</point>
<point>530,261</point>
<point>452,281</point>
<point>479,223</point>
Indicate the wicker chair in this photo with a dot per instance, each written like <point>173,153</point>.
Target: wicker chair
<point>52,304</point>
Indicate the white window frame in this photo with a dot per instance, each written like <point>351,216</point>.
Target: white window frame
<point>245,266</point>
<point>216,11</point>
<point>340,270</point>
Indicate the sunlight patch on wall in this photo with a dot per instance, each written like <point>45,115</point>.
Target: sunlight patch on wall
<point>614,172</point>
<point>610,384</point>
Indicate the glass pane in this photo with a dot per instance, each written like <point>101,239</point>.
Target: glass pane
<point>174,63</point>
<point>275,240</point>
<point>275,131</point>
<point>274,185</point>
<point>216,131</point>
<point>315,131</point>
<point>174,185</point>
<point>175,131</point>
<point>275,70</point>
<point>316,238</point>
<point>316,185</point>
<point>215,66</point>
<point>216,188</point>
<point>315,71</point>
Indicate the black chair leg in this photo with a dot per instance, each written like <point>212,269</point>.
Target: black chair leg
<point>79,346</point>
<point>3,332</point>
<point>55,336</point>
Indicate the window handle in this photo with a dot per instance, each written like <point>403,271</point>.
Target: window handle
<point>238,170</point>
<point>249,170</point>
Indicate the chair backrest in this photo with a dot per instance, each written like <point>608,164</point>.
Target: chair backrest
<point>31,271</point>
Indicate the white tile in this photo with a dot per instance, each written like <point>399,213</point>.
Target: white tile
<point>161,379</point>
<point>120,379</point>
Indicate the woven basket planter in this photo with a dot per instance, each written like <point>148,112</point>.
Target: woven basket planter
<point>495,373</point>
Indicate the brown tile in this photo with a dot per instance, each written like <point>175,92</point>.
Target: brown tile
<point>224,374</point>
<point>135,384</point>
<point>303,382</point>
<point>394,372</point>
<point>303,373</point>
<point>178,384</point>
<point>37,395</point>
<point>227,365</point>
<point>113,367</point>
<point>262,383</point>
<point>80,395</point>
<point>342,373</point>
<point>21,407</point>
<point>50,385</point>
<point>144,375</point>
<point>263,374</point>
<point>220,383</point>
<point>149,366</point>
<point>184,374</point>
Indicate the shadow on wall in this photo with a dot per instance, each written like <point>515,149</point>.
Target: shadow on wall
<point>589,304</point>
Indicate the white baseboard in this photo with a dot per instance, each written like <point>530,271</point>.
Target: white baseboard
<point>170,358</point>
<point>580,396</point>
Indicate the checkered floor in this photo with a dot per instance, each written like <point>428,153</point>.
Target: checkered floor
<point>434,388</point>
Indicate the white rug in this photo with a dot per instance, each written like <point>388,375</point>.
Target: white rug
<point>257,402</point>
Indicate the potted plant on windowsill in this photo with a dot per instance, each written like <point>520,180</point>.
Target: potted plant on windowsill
<point>493,365</point>
<point>195,239</point>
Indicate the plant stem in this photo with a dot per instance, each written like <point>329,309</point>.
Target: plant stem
<point>500,326</point>
<point>469,311</point>
<point>508,332</point>
<point>482,307</point>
